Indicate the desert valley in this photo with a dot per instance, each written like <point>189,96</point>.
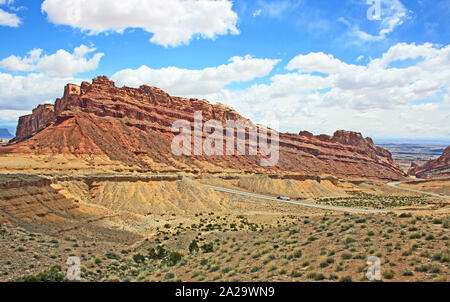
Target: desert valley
<point>93,176</point>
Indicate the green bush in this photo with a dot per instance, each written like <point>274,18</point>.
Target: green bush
<point>388,274</point>
<point>208,247</point>
<point>173,258</point>
<point>193,247</point>
<point>112,255</point>
<point>158,253</point>
<point>346,256</point>
<point>52,275</point>
<point>138,258</point>
<point>346,279</point>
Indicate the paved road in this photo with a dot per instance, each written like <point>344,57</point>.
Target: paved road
<point>395,184</point>
<point>300,203</point>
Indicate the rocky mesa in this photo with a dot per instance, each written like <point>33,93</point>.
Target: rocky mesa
<point>133,126</point>
<point>439,167</point>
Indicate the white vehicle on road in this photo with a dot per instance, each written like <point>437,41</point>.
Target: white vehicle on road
<point>284,198</point>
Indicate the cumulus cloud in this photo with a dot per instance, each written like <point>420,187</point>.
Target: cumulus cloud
<point>27,63</point>
<point>8,19</point>
<point>197,83</point>
<point>322,93</point>
<point>26,92</point>
<point>10,117</point>
<point>172,22</point>
<point>59,64</point>
<point>318,62</point>
<point>44,79</point>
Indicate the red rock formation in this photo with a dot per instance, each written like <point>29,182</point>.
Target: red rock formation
<point>42,117</point>
<point>439,167</point>
<point>134,126</point>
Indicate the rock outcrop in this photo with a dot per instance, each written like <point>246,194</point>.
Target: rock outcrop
<point>133,126</point>
<point>42,117</point>
<point>439,167</point>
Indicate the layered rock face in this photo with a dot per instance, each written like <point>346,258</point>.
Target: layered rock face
<point>42,117</point>
<point>439,167</point>
<point>133,126</point>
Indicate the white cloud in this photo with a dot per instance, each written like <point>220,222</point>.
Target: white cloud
<point>404,51</point>
<point>59,64</point>
<point>375,99</point>
<point>172,22</point>
<point>26,63</point>
<point>319,62</point>
<point>8,19</point>
<point>46,76</point>
<point>197,83</point>
<point>393,14</point>
<point>10,117</point>
<point>26,92</point>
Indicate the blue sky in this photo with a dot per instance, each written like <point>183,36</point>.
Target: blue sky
<point>305,65</point>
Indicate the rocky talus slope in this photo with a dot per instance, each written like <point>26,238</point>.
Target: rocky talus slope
<point>133,127</point>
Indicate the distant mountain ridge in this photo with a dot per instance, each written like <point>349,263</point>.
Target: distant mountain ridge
<point>4,134</point>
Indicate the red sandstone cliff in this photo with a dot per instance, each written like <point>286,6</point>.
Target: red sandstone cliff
<point>439,167</point>
<point>42,117</point>
<point>134,126</point>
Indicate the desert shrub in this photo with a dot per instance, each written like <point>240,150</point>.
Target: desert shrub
<point>333,277</point>
<point>298,254</point>
<point>323,264</point>
<point>415,236</point>
<point>312,238</point>
<point>208,247</point>
<point>158,253</point>
<point>52,275</point>
<point>315,276</point>
<point>138,258</point>
<point>388,274</point>
<point>112,255</point>
<point>169,276</point>
<point>346,256</point>
<point>429,237</point>
<point>296,274</point>
<point>422,269</point>
<point>434,269</point>
<point>349,240</point>
<point>173,258</point>
<point>193,247</point>
<point>346,279</point>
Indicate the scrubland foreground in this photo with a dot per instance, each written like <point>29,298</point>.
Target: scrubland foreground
<point>172,228</point>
